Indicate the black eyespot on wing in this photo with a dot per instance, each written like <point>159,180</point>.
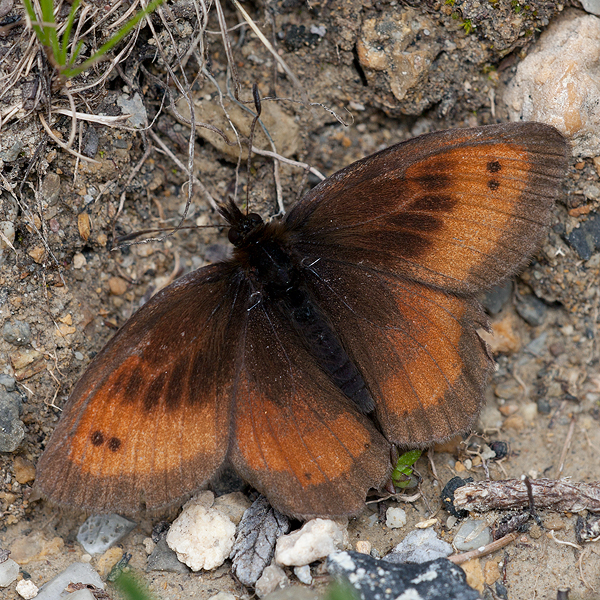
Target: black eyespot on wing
<point>97,438</point>
<point>114,444</point>
<point>494,166</point>
<point>493,184</point>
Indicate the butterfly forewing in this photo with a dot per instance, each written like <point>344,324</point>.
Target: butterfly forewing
<point>149,420</point>
<point>459,209</point>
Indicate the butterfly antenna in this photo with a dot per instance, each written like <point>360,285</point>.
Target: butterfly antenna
<point>230,211</point>
<point>257,105</point>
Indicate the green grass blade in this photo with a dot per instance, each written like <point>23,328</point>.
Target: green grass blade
<point>114,40</point>
<point>39,32</point>
<point>49,27</point>
<point>67,33</point>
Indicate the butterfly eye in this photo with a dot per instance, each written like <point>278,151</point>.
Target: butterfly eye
<point>254,219</point>
<point>234,236</point>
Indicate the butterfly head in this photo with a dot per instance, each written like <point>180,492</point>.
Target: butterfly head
<point>243,226</point>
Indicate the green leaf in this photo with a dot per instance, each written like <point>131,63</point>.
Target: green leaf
<point>404,468</point>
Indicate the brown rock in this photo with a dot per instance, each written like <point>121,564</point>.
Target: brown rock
<point>491,572</point>
<point>474,573</point>
<point>505,337</point>
<point>24,470</point>
<point>514,422</point>
<point>117,286</point>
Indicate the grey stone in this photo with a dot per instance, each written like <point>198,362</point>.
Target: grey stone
<point>419,546</point>
<point>11,427</point>
<point>379,580</point>
<point>165,559</point>
<point>532,310</point>
<point>50,187</point>
<point>16,332</point>
<point>135,108</point>
<point>75,573</point>
<point>497,297</point>
<point>591,6</point>
<point>255,540</point>
<point>101,532</point>
<point>12,153</point>
<point>9,383</point>
<point>90,142</point>
<point>9,571</point>
<point>585,240</point>
<point>472,534</point>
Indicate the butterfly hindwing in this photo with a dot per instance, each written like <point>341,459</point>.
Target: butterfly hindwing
<point>459,209</point>
<point>297,437</point>
<point>149,420</point>
<point>418,349</point>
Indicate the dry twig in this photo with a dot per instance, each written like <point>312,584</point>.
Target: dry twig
<point>561,495</point>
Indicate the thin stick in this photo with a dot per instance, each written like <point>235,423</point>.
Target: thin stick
<point>459,559</point>
<point>566,446</point>
<point>62,144</point>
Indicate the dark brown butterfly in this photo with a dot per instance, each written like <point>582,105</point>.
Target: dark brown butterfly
<point>348,326</point>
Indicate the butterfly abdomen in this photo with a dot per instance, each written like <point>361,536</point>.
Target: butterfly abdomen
<point>324,345</point>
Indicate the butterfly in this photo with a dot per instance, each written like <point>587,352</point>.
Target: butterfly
<point>346,327</point>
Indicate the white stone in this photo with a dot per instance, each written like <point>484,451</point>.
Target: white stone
<point>558,83</point>
<point>9,571</point>
<point>529,411</point>
<point>273,577</point>
<point>84,594</point>
<point>27,589</point>
<point>395,517</point>
<point>233,505</point>
<point>591,6</point>
<point>201,536</point>
<point>419,546</point>
<point>222,596</point>
<point>75,573</point>
<point>303,574</point>
<point>315,540</point>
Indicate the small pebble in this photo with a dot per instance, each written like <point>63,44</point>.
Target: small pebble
<point>419,546</point>
<point>474,573</point>
<point>529,411</point>
<point>394,518</point>
<point>201,536</point>
<point>364,547</point>
<point>108,560</point>
<point>514,422</point>
<point>472,534</point>
<point>24,470</point>
<point>234,505</point>
<point>79,261</point>
<point>9,571</point>
<point>149,545</point>
<point>315,540</point>
<point>101,532</point>
<point>16,332</point>
<point>273,577</point>
<point>303,574</point>
<point>491,572</point>
<point>117,286</point>
<point>27,589</point>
